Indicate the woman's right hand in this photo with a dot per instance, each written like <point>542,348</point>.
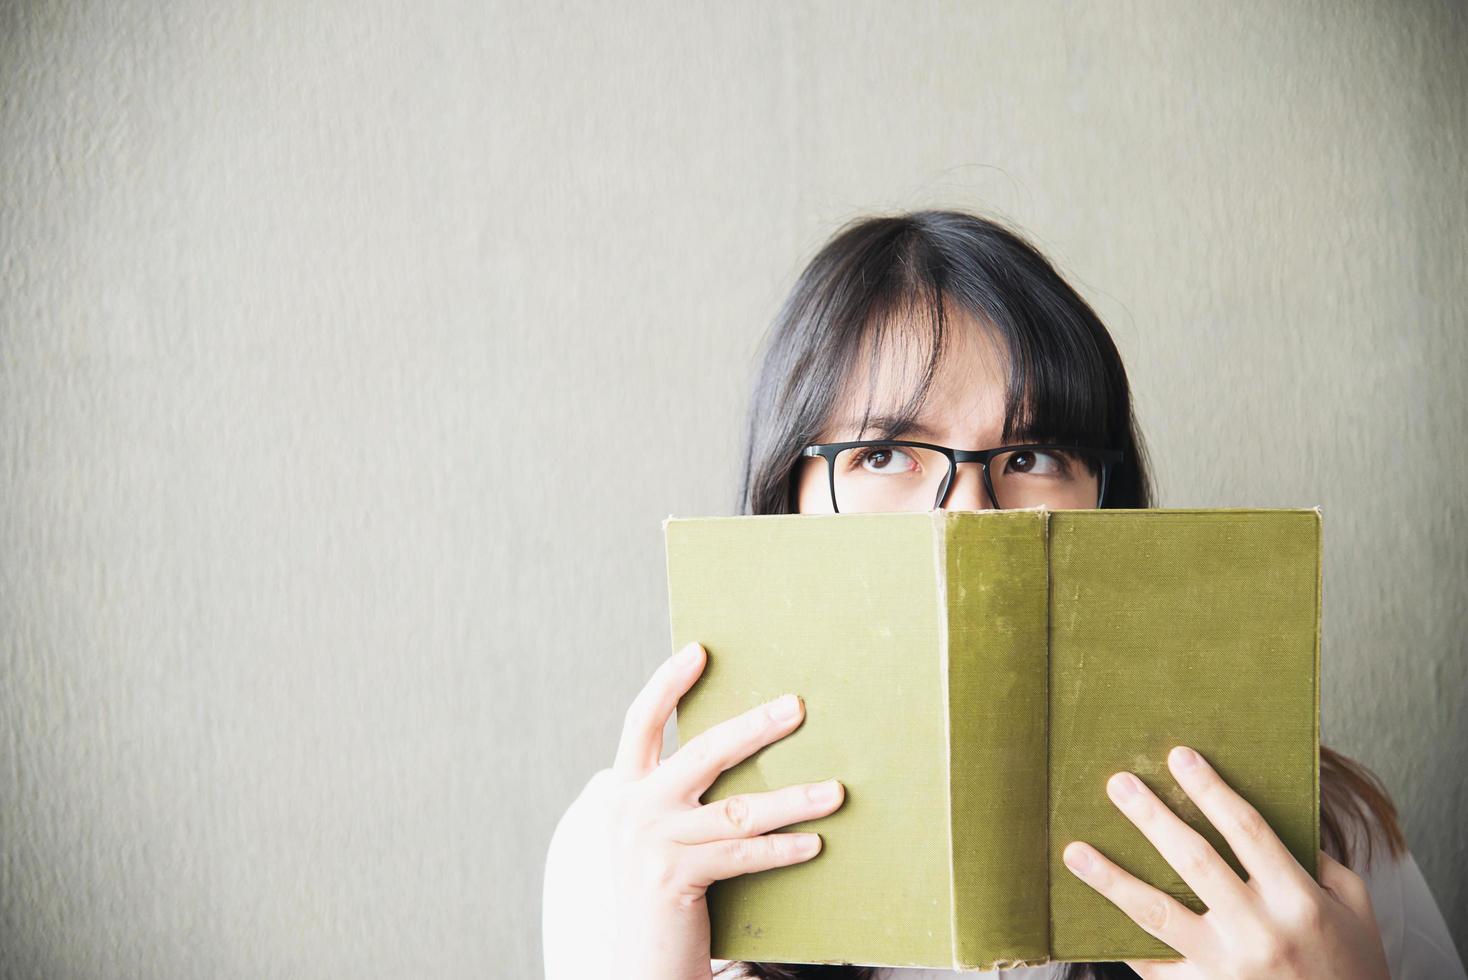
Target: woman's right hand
<point>633,856</point>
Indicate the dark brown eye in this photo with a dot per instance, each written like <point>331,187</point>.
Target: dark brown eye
<point>1037,463</point>
<point>880,460</point>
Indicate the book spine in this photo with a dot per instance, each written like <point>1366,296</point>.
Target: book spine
<point>997,625</point>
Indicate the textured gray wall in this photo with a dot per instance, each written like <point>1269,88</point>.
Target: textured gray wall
<point>351,353</point>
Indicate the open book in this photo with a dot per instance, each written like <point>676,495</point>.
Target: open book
<point>973,678</point>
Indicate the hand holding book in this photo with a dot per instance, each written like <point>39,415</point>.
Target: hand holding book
<point>665,848</point>
<point>1280,923</point>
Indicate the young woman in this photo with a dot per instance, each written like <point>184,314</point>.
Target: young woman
<point>947,328</point>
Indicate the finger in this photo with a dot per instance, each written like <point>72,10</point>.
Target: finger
<point>756,813</point>
<point>642,728</point>
<point>689,771</point>
<point>1158,913</point>
<point>1189,853</point>
<point>1253,841</point>
<point>1345,885</point>
<point>708,863</point>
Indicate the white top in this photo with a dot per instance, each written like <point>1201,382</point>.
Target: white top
<point>1418,945</point>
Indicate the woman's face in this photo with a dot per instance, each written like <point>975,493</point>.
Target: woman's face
<point>964,409</point>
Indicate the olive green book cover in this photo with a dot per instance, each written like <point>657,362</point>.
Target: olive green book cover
<point>973,678</point>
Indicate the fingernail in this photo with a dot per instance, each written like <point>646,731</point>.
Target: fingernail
<point>1077,859</point>
<point>1126,786</point>
<point>808,843</point>
<point>824,793</point>
<point>1184,757</point>
<point>688,655</point>
<point>785,707</point>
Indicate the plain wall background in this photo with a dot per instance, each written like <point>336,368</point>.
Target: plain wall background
<point>351,354</point>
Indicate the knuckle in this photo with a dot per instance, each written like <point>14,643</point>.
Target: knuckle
<point>1264,954</point>
<point>660,870</point>
<point>1271,952</point>
<point>737,814</point>
<point>740,852</point>
<point>1153,915</point>
<point>1305,914</point>
<point>1192,859</point>
<point>1251,826</point>
<point>1143,812</point>
<point>700,752</point>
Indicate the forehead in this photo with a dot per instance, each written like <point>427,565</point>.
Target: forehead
<point>964,403</point>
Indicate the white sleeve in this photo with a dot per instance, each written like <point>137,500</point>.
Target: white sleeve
<point>1418,945</point>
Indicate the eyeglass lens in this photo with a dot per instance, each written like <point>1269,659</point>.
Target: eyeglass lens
<point>907,478</point>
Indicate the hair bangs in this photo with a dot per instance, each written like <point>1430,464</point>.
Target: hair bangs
<point>906,324</point>
<point>1059,389</point>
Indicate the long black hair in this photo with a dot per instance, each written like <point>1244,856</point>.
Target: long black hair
<point>873,284</point>
<point>877,282</point>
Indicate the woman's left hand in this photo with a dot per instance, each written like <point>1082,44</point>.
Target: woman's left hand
<point>1278,923</point>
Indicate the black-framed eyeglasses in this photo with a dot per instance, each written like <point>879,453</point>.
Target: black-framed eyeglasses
<point>878,475</point>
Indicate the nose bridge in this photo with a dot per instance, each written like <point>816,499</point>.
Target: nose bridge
<point>967,490</point>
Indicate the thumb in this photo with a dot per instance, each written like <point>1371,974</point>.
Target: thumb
<point>1345,885</point>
